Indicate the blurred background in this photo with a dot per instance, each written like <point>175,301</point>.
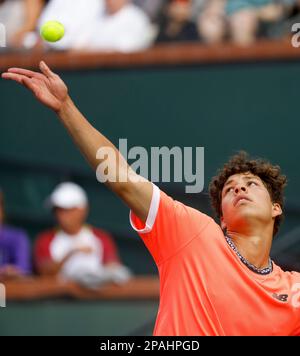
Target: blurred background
<point>219,74</point>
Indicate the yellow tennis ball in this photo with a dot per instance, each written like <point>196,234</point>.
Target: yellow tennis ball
<point>52,31</point>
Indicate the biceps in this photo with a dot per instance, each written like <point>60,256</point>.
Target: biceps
<point>137,196</point>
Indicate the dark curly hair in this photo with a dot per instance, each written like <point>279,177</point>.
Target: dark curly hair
<point>242,163</point>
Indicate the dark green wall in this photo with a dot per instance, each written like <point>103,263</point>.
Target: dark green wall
<point>71,318</point>
<point>221,107</point>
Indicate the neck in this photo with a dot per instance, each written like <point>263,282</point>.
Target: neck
<point>73,231</point>
<point>255,247</point>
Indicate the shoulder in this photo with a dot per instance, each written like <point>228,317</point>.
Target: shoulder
<point>182,210</point>
<point>101,233</point>
<point>46,236</point>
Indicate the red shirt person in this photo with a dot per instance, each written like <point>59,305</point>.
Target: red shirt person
<point>215,280</point>
<point>75,250</point>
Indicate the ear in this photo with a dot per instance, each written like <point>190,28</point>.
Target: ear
<point>276,210</point>
<point>223,225</point>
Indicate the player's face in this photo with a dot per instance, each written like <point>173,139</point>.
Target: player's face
<point>246,200</point>
<point>71,220</point>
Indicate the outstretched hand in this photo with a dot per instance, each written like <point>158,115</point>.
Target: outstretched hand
<point>46,86</point>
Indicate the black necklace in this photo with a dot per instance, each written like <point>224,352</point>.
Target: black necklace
<point>262,271</point>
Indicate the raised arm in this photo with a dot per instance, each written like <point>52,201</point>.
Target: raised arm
<point>51,91</point>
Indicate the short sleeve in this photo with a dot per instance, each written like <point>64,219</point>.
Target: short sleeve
<point>170,226</point>
<point>42,248</point>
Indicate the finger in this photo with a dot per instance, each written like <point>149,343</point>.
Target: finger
<point>21,79</point>
<point>13,76</point>
<point>46,70</point>
<point>22,71</point>
<point>28,73</point>
<point>29,84</point>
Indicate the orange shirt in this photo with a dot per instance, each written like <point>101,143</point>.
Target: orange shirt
<point>204,287</point>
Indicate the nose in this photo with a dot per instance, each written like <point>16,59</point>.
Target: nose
<point>240,188</point>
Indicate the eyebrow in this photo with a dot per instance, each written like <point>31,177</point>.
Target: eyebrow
<point>245,177</point>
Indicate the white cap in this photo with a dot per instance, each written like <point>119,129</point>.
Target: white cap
<point>67,196</point>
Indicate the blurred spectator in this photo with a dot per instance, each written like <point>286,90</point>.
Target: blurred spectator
<point>283,28</point>
<point>75,250</point>
<point>19,17</point>
<point>152,8</point>
<point>14,250</point>
<point>176,23</point>
<point>210,18</point>
<point>124,28</point>
<point>242,21</point>
<point>76,15</point>
<point>245,17</point>
<point>128,25</point>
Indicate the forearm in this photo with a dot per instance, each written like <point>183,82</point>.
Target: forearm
<point>89,141</point>
<point>52,268</point>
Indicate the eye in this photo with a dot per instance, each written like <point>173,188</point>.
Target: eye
<point>228,190</point>
<point>251,182</point>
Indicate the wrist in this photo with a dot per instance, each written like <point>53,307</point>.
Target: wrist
<point>66,106</point>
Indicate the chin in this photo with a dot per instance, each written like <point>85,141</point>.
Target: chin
<point>245,216</point>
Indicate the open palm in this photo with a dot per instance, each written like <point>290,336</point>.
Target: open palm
<point>46,86</point>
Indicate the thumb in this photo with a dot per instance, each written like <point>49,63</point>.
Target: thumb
<point>46,70</point>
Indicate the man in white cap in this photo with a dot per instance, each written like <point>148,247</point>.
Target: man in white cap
<point>75,250</point>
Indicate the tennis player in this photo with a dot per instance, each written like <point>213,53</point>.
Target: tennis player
<point>215,279</point>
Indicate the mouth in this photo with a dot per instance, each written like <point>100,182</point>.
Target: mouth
<point>240,199</point>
